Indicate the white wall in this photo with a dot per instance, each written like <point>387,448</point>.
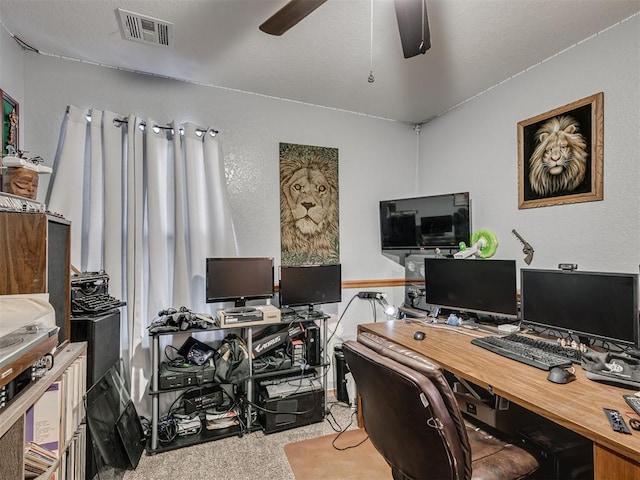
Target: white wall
<point>474,148</point>
<point>374,155</point>
<point>12,73</point>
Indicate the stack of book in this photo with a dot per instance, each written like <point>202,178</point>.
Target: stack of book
<point>55,424</point>
<point>37,459</point>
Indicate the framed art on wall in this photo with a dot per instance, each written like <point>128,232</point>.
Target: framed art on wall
<point>309,213</point>
<point>560,155</point>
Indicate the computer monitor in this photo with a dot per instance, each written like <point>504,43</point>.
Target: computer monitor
<point>472,285</point>
<point>239,279</point>
<point>593,305</point>
<point>436,221</point>
<point>309,285</point>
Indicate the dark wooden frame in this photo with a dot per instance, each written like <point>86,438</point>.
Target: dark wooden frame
<point>8,102</point>
<point>589,114</point>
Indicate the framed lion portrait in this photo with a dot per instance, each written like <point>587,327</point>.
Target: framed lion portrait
<point>309,214</point>
<point>560,155</point>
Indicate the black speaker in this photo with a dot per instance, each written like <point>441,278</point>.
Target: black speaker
<point>58,273</point>
<point>102,334</point>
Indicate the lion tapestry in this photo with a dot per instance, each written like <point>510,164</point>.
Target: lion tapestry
<point>560,155</point>
<point>309,205</point>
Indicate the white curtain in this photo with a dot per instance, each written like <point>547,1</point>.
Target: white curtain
<point>147,205</point>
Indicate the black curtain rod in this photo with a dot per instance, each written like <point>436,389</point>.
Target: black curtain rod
<point>120,121</point>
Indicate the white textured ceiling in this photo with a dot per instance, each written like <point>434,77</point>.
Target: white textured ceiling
<point>326,59</point>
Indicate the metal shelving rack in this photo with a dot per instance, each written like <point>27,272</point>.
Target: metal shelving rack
<point>154,446</point>
<point>205,435</point>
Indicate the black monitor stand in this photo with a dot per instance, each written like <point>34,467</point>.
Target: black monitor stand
<point>310,313</point>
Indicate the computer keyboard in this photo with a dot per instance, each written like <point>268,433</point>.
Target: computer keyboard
<point>523,351</point>
<point>572,354</point>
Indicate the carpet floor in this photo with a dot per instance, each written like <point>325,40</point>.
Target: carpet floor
<point>254,456</point>
<point>339,456</point>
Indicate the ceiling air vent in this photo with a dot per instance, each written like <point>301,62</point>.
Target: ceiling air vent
<point>140,28</point>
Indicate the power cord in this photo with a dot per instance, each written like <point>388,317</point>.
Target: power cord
<point>333,442</point>
<point>340,319</point>
<point>175,359</point>
<point>167,429</point>
<point>331,419</point>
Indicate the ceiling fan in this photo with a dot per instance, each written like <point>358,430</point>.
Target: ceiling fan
<point>411,15</point>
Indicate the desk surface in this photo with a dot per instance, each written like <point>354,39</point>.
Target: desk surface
<point>577,405</point>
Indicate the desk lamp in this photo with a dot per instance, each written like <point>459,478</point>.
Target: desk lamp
<point>391,311</point>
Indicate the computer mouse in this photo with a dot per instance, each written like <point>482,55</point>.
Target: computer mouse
<point>560,375</point>
<point>418,335</point>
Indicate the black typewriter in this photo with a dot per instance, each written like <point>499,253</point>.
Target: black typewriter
<point>90,294</point>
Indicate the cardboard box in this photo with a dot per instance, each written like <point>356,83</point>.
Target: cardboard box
<point>263,315</point>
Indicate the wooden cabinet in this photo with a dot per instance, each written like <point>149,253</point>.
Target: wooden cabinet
<point>35,258</point>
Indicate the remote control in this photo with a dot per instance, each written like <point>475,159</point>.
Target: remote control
<point>617,422</point>
<point>633,401</point>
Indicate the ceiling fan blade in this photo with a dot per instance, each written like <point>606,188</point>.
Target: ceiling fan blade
<point>289,15</point>
<point>413,25</point>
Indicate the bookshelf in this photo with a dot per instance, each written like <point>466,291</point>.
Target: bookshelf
<point>69,364</point>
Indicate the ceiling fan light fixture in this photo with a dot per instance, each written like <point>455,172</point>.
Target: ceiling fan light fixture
<point>413,25</point>
<point>289,16</point>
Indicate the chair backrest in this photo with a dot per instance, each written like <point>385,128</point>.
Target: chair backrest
<point>431,370</point>
<point>417,429</point>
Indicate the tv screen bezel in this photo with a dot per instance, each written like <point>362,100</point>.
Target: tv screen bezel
<point>415,245</point>
<point>239,299</point>
<point>333,266</point>
<point>581,332</point>
<point>512,314</point>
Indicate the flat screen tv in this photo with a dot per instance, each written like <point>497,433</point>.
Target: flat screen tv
<point>593,305</point>
<point>239,279</point>
<point>437,221</point>
<point>309,285</point>
<point>480,286</point>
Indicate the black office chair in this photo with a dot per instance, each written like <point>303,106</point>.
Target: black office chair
<point>412,418</point>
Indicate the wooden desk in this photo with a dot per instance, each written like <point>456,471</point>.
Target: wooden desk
<point>577,406</point>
